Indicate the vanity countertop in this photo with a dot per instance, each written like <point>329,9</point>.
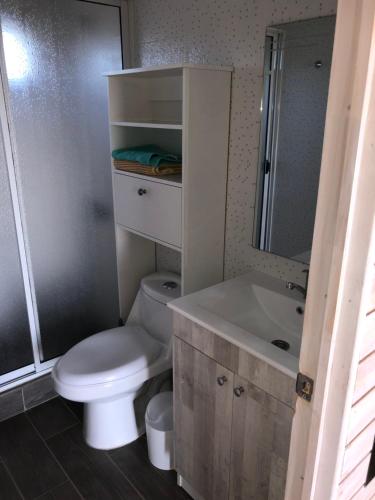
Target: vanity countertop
<point>251,311</point>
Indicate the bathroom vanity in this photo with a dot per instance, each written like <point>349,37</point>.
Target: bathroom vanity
<point>234,391</point>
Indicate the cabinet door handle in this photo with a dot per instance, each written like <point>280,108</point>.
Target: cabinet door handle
<point>142,191</point>
<point>238,391</point>
<point>221,380</point>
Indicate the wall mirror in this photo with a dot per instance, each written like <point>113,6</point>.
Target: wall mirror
<point>297,67</point>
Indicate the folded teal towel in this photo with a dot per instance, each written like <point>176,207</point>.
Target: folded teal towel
<point>147,155</point>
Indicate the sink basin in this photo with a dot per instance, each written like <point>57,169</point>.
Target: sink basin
<point>251,311</point>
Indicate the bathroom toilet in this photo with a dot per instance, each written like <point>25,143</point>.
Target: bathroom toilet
<point>108,371</point>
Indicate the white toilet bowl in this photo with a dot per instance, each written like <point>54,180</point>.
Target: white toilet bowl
<point>107,371</point>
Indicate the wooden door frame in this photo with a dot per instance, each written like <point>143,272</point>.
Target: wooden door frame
<point>343,232</point>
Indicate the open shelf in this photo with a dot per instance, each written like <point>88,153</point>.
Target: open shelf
<point>127,137</point>
<point>151,238</point>
<point>147,106</point>
<point>141,124</point>
<point>154,101</point>
<point>166,69</point>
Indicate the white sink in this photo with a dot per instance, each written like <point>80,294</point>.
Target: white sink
<point>251,311</point>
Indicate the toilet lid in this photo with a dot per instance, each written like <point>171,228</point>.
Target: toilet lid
<point>108,356</point>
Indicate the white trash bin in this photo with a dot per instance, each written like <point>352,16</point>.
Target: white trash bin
<point>159,430</point>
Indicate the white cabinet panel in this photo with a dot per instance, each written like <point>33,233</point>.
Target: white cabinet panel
<point>184,109</point>
<point>148,207</point>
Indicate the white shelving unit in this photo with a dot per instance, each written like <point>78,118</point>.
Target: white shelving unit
<point>166,126</point>
<point>183,109</point>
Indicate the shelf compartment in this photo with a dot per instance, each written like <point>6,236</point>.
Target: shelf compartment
<point>147,237</point>
<point>128,137</point>
<point>143,102</point>
<point>139,124</point>
<point>166,69</point>
<point>170,180</point>
<point>139,100</point>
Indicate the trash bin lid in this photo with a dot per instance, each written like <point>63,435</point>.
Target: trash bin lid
<point>159,412</point>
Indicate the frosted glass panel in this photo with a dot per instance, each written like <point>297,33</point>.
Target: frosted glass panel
<point>56,53</point>
<point>15,342</point>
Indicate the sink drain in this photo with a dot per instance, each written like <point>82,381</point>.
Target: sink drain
<point>281,344</point>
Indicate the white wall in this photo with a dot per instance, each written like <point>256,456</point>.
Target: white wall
<point>226,32</point>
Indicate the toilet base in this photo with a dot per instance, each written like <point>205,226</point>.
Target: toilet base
<point>111,423</point>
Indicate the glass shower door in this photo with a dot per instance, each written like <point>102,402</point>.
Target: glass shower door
<point>15,342</point>
<point>56,53</point>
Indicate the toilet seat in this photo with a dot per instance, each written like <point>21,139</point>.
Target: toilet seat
<point>108,356</point>
<point>114,372</point>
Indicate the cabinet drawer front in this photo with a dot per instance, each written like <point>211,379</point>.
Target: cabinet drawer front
<point>259,372</point>
<point>156,212</point>
<point>203,395</point>
<point>260,444</point>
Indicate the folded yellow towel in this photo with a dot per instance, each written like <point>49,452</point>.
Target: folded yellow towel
<point>138,168</point>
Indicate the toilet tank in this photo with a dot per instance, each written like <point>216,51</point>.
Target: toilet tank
<point>156,291</point>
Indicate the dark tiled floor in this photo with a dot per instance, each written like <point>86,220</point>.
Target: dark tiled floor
<point>43,457</point>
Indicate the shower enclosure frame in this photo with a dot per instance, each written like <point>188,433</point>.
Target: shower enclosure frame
<point>38,367</point>
<point>267,161</point>
<point>7,133</point>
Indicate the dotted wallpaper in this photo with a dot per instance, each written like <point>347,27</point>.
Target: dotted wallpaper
<point>226,32</point>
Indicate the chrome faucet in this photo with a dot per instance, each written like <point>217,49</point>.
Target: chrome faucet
<point>295,286</point>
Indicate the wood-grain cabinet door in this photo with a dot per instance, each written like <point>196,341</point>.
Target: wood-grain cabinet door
<point>261,431</point>
<point>203,392</point>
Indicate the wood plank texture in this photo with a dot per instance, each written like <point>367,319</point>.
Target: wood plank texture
<point>354,481</point>
<point>93,473</point>
<point>86,473</point>
<point>31,464</point>
<point>361,428</point>
<point>365,379</point>
<point>250,367</point>
<point>52,417</point>
<point>8,490</point>
<point>206,341</point>
<point>357,449</point>
<point>361,415</point>
<point>203,421</point>
<point>65,491</point>
<point>151,482</point>
<point>365,492</point>
<point>267,378</point>
<point>368,338</point>
<point>371,299</point>
<point>342,240</point>
<point>260,444</point>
